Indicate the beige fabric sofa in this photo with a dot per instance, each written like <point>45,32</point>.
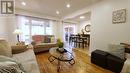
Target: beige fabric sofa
<point>26,57</point>
<point>28,60</point>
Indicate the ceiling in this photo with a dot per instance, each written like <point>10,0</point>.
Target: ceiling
<point>78,19</point>
<point>49,7</point>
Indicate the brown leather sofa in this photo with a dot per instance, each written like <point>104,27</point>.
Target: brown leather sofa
<point>43,47</point>
<point>43,43</point>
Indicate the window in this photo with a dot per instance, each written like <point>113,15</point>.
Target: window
<point>37,28</point>
<point>33,26</point>
<point>48,29</point>
<point>24,25</point>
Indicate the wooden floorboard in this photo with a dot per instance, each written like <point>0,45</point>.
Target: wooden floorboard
<point>82,65</point>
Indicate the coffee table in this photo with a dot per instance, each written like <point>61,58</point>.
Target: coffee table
<point>64,57</point>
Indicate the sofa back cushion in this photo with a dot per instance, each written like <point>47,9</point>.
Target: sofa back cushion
<point>43,38</point>
<point>37,38</point>
<point>5,48</point>
<point>48,39</point>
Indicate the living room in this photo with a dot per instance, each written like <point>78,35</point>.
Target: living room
<point>105,21</point>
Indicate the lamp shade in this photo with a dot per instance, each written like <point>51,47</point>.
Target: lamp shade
<point>17,31</point>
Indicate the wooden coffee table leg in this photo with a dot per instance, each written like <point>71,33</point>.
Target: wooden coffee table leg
<point>72,62</point>
<point>51,58</point>
<point>58,66</point>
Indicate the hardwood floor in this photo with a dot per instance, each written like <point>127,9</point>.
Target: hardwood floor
<point>82,65</point>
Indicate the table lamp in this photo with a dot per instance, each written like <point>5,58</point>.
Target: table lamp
<point>17,32</point>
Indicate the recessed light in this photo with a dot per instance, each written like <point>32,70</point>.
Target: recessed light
<point>23,3</point>
<point>82,17</point>
<point>68,5</point>
<point>57,12</point>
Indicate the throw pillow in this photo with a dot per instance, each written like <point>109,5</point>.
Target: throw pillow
<point>18,49</point>
<point>5,48</point>
<point>117,50</point>
<point>47,40</point>
<point>52,39</point>
<point>9,65</point>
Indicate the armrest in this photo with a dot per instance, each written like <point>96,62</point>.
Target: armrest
<point>125,45</point>
<point>18,49</point>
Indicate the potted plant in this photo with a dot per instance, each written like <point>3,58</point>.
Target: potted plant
<point>60,45</point>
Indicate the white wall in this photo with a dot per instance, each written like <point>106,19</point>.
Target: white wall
<point>10,27</point>
<point>57,29</point>
<point>103,31</point>
<point>7,26</point>
<point>3,31</point>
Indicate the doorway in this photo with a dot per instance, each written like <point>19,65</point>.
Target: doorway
<point>68,30</point>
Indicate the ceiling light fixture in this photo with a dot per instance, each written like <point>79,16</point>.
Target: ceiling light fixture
<point>57,12</point>
<point>82,17</point>
<point>23,3</point>
<point>68,5</point>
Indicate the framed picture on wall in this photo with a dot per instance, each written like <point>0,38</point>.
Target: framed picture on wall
<point>119,16</point>
<point>87,28</point>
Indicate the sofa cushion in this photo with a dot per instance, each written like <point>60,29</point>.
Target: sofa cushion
<point>18,49</point>
<point>117,50</point>
<point>28,60</point>
<point>47,39</point>
<point>52,39</point>
<point>5,48</point>
<point>37,38</point>
<point>43,38</point>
